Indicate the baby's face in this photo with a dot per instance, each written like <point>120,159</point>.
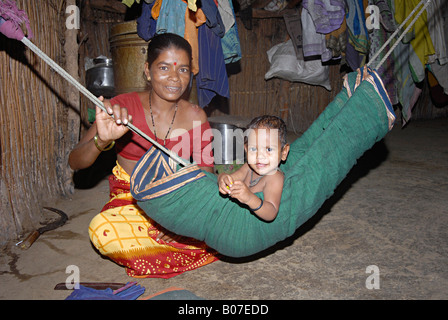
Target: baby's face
<point>264,152</point>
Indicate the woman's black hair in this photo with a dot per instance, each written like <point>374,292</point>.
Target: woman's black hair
<point>163,41</point>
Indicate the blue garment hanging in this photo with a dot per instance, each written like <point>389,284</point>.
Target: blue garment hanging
<point>214,20</point>
<point>212,77</point>
<point>146,25</point>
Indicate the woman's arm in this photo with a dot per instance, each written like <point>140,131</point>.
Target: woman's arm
<point>85,152</point>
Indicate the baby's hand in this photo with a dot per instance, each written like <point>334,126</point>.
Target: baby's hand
<point>240,191</point>
<point>225,181</point>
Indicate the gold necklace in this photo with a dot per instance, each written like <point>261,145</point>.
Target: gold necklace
<point>154,126</point>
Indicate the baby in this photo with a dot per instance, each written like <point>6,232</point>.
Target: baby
<point>265,148</point>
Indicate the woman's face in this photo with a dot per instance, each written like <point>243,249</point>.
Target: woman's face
<point>169,73</point>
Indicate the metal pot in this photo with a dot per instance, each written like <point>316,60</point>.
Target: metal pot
<point>100,78</point>
<point>228,143</point>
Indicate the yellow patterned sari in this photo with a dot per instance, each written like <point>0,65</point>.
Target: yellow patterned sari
<point>126,235</point>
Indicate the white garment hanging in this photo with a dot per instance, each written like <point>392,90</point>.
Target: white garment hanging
<point>226,13</point>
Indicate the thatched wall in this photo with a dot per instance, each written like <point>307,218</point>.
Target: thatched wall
<point>40,118</point>
<point>33,127</point>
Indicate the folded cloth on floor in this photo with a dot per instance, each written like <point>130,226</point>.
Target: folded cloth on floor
<point>84,293</point>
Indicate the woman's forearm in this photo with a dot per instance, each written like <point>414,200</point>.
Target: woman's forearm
<point>83,155</point>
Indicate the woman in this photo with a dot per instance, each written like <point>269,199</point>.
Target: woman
<point>122,231</point>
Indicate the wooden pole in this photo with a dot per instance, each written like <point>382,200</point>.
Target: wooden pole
<point>73,99</point>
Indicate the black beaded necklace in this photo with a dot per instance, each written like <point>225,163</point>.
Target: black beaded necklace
<point>154,126</point>
<point>253,182</point>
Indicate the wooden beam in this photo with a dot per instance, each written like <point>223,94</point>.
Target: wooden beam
<point>71,49</point>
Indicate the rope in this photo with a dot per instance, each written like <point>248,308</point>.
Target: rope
<point>97,101</point>
<point>401,36</point>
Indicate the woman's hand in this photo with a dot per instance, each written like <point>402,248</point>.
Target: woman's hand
<point>108,128</point>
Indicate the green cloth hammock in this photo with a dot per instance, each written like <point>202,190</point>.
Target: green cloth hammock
<point>188,202</point>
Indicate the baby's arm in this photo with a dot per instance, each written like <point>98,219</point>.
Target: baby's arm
<point>272,193</point>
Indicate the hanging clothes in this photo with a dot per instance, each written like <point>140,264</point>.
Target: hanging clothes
<point>146,24</point>
<point>294,28</point>
<point>353,58</point>
<point>438,30</point>
<point>192,21</point>
<point>326,33</point>
<point>214,20</point>
<point>225,9</point>
<point>377,37</point>
<point>313,43</point>
<point>212,77</point>
<point>336,41</point>
<point>406,88</point>
<point>327,15</point>
<point>421,42</point>
<point>192,5</point>
<point>230,43</point>
<point>156,9</point>
<point>172,17</point>
<point>357,32</point>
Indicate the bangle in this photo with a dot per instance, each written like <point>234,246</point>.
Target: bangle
<point>261,204</point>
<point>110,146</point>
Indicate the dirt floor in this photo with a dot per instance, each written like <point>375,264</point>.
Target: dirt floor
<point>383,235</point>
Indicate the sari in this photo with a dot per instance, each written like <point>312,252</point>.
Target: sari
<point>126,235</point>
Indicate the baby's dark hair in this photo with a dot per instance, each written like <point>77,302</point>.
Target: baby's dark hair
<point>270,122</point>
<point>163,41</point>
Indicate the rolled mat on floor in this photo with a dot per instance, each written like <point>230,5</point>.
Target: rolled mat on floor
<point>188,202</point>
